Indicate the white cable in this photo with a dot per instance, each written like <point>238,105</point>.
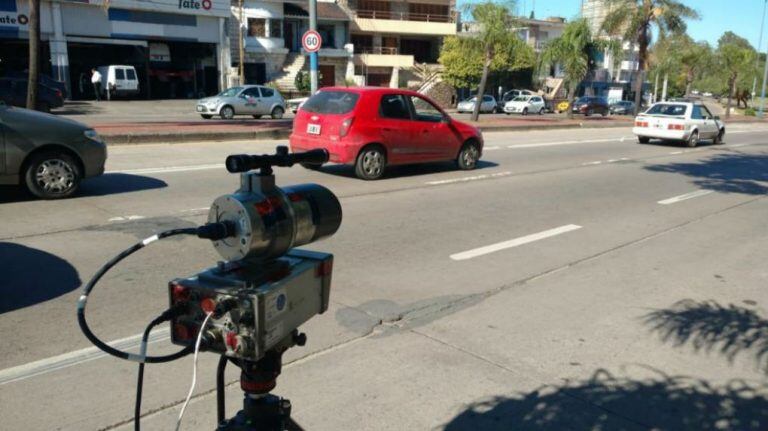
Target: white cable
<point>194,370</point>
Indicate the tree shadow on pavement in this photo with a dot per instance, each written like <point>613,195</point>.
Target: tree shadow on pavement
<point>406,170</point>
<point>106,184</point>
<point>726,173</point>
<point>708,326</point>
<point>607,402</point>
<point>81,107</point>
<point>30,276</point>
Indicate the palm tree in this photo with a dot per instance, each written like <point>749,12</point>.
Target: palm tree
<point>634,20</point>
<point>494,20</point>
<point>571,51</point>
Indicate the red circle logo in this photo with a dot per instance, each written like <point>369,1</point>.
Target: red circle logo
<point>311,41</point>
<point>207,4</point>
<point>23,20</point>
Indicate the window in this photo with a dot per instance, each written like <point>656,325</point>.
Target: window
<point>394,106</point>
<point>230,92</point>
<point>487,99</point>
<point>131,74</point>
<point>667,109</point>
<point>426,111</point>
<point>331,102</point>
<point>119,73</point>
<point>327,32</point>
<point>267,92</point>
<point>275,28</point>
<point>251,92</point>
<point>707,114</point>
<point>697,114</point>
<point>257,27</point>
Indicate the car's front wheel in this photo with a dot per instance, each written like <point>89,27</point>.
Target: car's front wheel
<point>525,111</point>
<point>541,111</point>
<point>719,138</point>
<point>52,175</point>
<point>370,163</point>
<point>468,156</point>
<point>643,139</point>
<point>206,116</point>
<point>227,113</point>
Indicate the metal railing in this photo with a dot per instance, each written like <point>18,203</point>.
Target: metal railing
<point>377,50</point>
<point>404,16</point>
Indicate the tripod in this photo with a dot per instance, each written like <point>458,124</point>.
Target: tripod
<point>262,411</point>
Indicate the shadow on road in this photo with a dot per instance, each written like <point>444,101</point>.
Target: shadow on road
<point>31,276</point>
<point>107,184</point>
<point>607,402</point>
<point>726,173</point>
<point>405,170</point>
<point>78,108</point>
<point>708,326</point>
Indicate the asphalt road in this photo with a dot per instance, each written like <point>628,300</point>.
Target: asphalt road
<point>575,280</point>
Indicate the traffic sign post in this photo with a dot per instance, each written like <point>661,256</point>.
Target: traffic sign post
<point>312,40</point>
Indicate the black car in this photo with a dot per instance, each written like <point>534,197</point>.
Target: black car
<point>42,79</point>
<point>13,91</point>
<point>590,105</point>
<point>47,154</point>
<point>623,107</point>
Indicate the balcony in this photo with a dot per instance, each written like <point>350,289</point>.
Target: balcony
<point>382,57</point>
<point>393,22</point>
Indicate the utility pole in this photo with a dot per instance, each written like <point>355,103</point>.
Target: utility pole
<point>762,93</point>
<point>759,47</point>
<point>34,53</point>
<point>241,67</point>
<point>313,55</point>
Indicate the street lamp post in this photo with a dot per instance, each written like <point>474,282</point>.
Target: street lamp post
<point>759,47</point>
<point>765,74</point>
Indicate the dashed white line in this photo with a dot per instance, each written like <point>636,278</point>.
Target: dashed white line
<point>684,197</point>
<point>128,218</point>
<point>677,152</point>
<point>598,162</point>
<point>469,254</point>
<point>66,360</point>
<point>465,179</point>
<point>168,169</point>
<point>491,148</point>
<point>552,144</point>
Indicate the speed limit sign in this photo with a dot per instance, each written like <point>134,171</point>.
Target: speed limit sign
<point>311,41</point>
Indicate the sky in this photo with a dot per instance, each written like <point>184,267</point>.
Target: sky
<point>742,17</point>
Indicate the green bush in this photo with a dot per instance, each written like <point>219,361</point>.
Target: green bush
<point>750,112</point>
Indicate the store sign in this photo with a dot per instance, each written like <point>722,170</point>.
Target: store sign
<point>218,8</point>
<point>13,14</point>
<point>159,52</point>
<point>11,18</point>
<point>195,5</point>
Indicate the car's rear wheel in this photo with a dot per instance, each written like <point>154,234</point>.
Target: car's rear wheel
<point>206,116</point>
<point>643,139</point>
<point>589,113</point>
<point>494,110</point>
<point>227,112</point>
<point>541,111</point>
<point>468,156</point>
<point>256,116</point>
<point>52,175</point>
<point>277,113</point>
<point>693,140</point>
<point>370,163</point>
<point>525,111</point>
<point>719,138</point>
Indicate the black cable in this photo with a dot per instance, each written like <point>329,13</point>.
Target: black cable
<point>140,380</point>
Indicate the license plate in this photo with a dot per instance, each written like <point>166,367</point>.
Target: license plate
<point>313,129</point>
<point>199,109</point>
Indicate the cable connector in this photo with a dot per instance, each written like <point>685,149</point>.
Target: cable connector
<point>217,231</point>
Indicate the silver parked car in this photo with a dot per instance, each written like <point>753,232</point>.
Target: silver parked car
<point>255,100</point>
<point>488,105</point>
<point>46,153</point>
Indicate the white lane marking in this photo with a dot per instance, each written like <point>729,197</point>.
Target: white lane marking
<point>684,197</point>
<point>598,162</point>
<point>552,144</point>
<point>130,217</point>
<point>465,179</point>
<point>192,210</point>
<point>491,148</point>
<point>167,169</point>
<point>677,152</point>
<point>469,254</point>
<point>66,360</point>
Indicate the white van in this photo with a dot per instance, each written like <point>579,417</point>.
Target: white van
<point>117,80</point>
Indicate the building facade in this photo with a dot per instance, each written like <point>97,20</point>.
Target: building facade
<point>178,47</point>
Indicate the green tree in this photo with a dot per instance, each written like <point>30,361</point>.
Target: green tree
<point>494,21</point>
<point>736,57</point>
<point>634,20</point>
<point>572,52</point>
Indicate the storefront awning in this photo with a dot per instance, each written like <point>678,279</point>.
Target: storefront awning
<point>329,11</point>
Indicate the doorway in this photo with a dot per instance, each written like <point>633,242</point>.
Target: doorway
<point>328,75</point>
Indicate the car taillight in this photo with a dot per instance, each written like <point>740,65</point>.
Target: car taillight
<point>641,124</point>
<point>676,127</point>
<point>345,126</point>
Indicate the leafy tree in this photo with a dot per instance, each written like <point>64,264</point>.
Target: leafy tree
<point>572,52</point>
<point>633,20</point>
<point>737,58</point>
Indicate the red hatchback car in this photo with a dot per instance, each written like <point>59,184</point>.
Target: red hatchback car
<point>372,128</point>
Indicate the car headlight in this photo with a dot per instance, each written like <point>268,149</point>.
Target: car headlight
<point>92,135</point>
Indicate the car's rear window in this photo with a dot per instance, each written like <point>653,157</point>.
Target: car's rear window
<point>331,102</point>
<point>667,109</point>
<point>131,74</point>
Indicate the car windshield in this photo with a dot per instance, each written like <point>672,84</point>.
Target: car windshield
<point>230,92</point>
<point>521,99</point>
<point>471,99</point>
<point>667,109</point>
<point>331,102</point>
<point>583,100</point>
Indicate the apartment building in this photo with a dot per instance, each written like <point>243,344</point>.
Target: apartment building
<point>390,36</point>
<point>272,52</point>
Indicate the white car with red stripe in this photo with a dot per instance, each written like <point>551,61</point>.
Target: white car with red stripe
<point>688,122</point>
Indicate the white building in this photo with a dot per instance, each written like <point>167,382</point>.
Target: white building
<point>178,47</point>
